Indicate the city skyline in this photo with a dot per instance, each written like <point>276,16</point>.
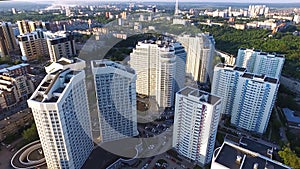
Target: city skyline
<point>149,84</point>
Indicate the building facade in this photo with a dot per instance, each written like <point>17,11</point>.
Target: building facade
<point>262,63</point>
<point>195,124</point>
<point>160,68</point>
<point>224,84</point>
<point>61,113</point>
<point>60,44</point>
<point>254,99</point>
<point>33,45</point>
<point>115,87</point>
<point>200,52</point>
<point>15,85</point>
<point>26,26</point>
<point>7,39</point>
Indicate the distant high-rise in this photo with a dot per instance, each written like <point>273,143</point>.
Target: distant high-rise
<point>254,99</point>
<point>224,84</point>
<point>195,124</point>
<point>7,39</point>
<point>60,44</point>
<point>176,8</point>
<point>200,52</point>
<point>26,26</point>
<point>33,45</point>
<point>160,69</point>
<point>61,113</point>
<point>115,87</point>
<point>3,48</point>
<point>258,62</point>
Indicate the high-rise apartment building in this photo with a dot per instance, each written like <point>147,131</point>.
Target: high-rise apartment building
<point>195,124</point>
<point>33,45</point>
<point>60,44</point>
<point>7,39</point>
<point>61,113</point>
<point>224,84</point>
<point>254,99</point>
<point>247,97</point>
<point>200,52</point>
<point>258,62</point>
<point>26,26</point>
<point>3,48</point>
<point>115,87</point>
<point>160,69</point>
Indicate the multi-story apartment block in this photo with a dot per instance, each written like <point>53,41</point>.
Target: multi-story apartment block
<point>254,99</point>
<point>200,52</point>
<point>61,113</point>
<point>195,124</point>
<point>26,26</point>
<point>115,87</point>
<point>14,86</point>
<point>60,44</point>
<point>16,70</point>
<point>33,45</point>
<point>7,39</point>
<point>258,62</point>
<point>224,84</point>
<point>160,68</point>
<point>247,98</point>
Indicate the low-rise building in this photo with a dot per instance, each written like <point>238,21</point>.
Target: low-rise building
<point>292,119</point>
<point>247,154</point>
<point>12,124</point>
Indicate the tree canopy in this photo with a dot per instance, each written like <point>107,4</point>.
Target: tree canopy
<point>290,158</point>
<point>230,40</point>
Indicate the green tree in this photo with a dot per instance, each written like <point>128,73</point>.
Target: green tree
<point>290,158</point>
<point>30,134</point>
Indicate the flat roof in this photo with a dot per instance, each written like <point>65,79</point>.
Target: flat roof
<point>248,75</point>
<point>255,147</point>
<point>189,91</point>
<point>290,115</point>
<point>228,154</point>
<point>108,63</point>
<point>271,80</point>
<point>49,81</point>
<point>241,69</point>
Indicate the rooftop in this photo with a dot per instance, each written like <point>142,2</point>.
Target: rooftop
<point>261,53</point>
<point>262,77</point>
<point>11,68</point>
<point>236,157</point>
<point>108,63</point>
<point>53,85</point>
<point>290,116</point>
<point>202,95</point>
<point>257,147</point>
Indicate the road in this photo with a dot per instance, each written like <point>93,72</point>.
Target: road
<point>282,128</point>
